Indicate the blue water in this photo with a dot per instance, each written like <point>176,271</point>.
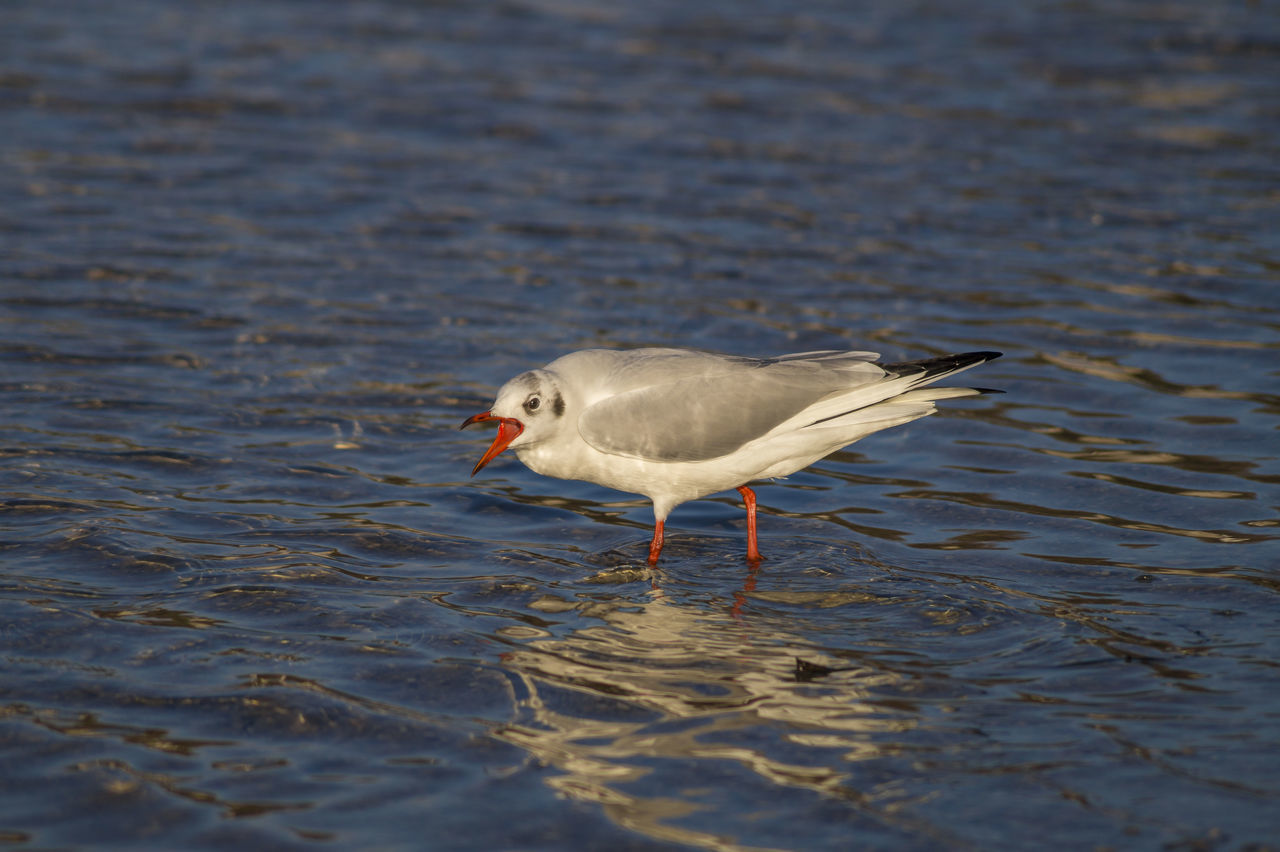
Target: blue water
<point>258,261</point>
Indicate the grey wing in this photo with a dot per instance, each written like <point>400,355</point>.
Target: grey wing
<point>702,417</point>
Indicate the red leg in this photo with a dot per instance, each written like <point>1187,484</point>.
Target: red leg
<point>655,547</point>
<point>749,498</point>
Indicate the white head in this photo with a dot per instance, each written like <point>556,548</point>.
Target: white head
<point>529,409</point>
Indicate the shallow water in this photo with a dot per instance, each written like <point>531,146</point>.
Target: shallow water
<point>259,260</point>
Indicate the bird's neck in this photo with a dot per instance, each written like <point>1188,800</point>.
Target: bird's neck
<point>543,458</point>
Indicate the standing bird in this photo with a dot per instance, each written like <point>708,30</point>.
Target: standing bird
<point>679,424</point>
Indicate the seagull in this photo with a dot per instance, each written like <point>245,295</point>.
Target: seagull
<point>678,424</point>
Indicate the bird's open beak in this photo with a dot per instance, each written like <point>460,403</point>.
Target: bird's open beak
<point>509,429</point>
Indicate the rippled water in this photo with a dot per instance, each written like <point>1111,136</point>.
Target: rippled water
<point>259,260</point>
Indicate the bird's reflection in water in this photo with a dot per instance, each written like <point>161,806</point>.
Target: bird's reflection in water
<point>640,712</point>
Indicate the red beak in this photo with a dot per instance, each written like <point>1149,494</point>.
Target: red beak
<point>509,429</point>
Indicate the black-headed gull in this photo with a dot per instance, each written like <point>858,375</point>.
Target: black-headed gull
<point>678,424</point>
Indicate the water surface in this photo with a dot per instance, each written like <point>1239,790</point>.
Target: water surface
<point>259,260</point>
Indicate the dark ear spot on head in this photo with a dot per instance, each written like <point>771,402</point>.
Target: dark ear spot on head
<point>557,405</point>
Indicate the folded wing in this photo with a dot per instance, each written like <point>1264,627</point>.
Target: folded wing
<point>688,407</point>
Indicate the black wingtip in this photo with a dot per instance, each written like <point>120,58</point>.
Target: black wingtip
<point>940,366</point>
<point>968,358</point>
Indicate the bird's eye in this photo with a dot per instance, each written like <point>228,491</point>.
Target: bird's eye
<point>532,403</point>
